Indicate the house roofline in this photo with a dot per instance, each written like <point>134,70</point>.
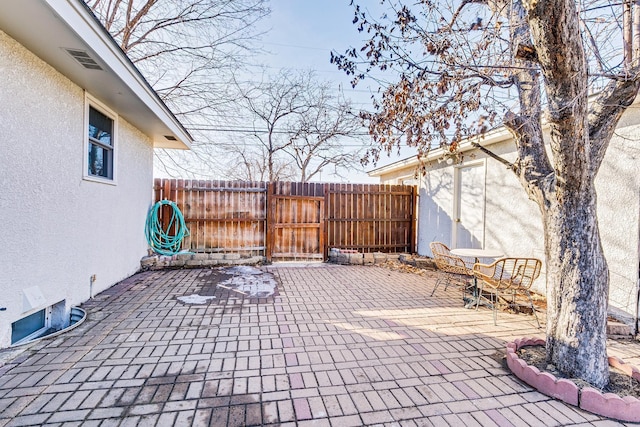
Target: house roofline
<point>48,28</point>
<point>492,137</point>
<point>187,138</point>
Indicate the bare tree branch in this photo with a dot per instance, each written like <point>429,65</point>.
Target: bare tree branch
<point>299,125</point>
<point>605,113</point>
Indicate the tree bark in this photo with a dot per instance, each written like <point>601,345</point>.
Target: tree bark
<point>578,286</point>
<point>577,273</point>
<point>627,33</point>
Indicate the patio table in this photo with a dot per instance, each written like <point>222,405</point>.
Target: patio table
<point>476,254</point>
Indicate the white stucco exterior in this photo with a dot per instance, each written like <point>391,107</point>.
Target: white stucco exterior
<point>60,229</point>
<point>68,235</point>
<point>512,222</point>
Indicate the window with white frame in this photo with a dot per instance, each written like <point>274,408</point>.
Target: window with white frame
<point>100,152</point>
<point>30,327</point>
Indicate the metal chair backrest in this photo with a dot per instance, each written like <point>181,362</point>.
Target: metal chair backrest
<point>448,262</point>
<point>509,273</point>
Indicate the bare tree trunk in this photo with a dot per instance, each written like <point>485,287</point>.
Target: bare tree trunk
<point>578,290</point>
<point>627,32</point>
<point>272,177</point>
<point>577,274</point>
<point>636,33</point>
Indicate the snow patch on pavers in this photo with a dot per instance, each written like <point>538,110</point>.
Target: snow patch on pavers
<point>250,281</point>
<point>589,399</point>
<point>195,299</point>
<point>242,281</point>
<point>243,269</point>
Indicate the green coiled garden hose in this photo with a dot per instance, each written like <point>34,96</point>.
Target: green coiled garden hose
<point>158,237</point>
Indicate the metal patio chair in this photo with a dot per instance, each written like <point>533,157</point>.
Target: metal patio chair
<point>507,277</point>
<point>457,270</point>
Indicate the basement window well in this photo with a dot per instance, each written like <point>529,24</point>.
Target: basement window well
<point>47,322</point>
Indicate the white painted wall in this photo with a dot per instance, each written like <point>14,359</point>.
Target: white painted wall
<point>435,207</point>
<point>618,188</point>
<point>513,223</point>
<point>58,229</point>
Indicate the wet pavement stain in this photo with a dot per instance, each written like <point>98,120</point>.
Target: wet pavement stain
<point>233,286</point>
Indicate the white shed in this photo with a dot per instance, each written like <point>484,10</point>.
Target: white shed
<point>476,201</point>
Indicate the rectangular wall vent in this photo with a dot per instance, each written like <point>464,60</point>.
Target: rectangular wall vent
<point>171,137</point>
<point>84,59</point>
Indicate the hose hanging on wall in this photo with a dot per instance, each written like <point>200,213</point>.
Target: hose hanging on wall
<point>159,238</point>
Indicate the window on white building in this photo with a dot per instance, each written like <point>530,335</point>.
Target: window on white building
<point>100,143</point>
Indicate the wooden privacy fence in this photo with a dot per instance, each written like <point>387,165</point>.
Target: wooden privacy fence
<point>289,220</point>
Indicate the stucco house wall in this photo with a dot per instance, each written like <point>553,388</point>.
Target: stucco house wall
<point>58,228</point>
<point>435,205</point>
<point>618,188</point>
<point>70,230</point>
<point>512,222</point>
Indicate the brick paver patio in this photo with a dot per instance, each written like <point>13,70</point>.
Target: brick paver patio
<point>339,346</point>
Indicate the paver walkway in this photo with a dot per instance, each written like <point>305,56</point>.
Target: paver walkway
<point>339,346</point>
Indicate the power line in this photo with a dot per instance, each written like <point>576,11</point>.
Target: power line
<point>297,47</point>
<point>257,144</point>
<point>254,131</point>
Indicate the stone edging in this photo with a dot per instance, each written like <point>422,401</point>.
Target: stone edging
<point>336,256</point>
<point>353,257</point>
<point>197,260</point>
<point>589,399</point>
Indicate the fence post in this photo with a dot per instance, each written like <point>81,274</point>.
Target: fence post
<point>270,217</point>
<point>413,227</point>
<point>164,212</point>
<point>325,226</point>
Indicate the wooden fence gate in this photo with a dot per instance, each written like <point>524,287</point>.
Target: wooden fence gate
<point>296,230</point>
<point>292,221</point>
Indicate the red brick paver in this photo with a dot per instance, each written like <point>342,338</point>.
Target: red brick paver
<point>338,346</point>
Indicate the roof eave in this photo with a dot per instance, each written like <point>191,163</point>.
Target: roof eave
<point>48,27</point>
<point>492,137</point>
